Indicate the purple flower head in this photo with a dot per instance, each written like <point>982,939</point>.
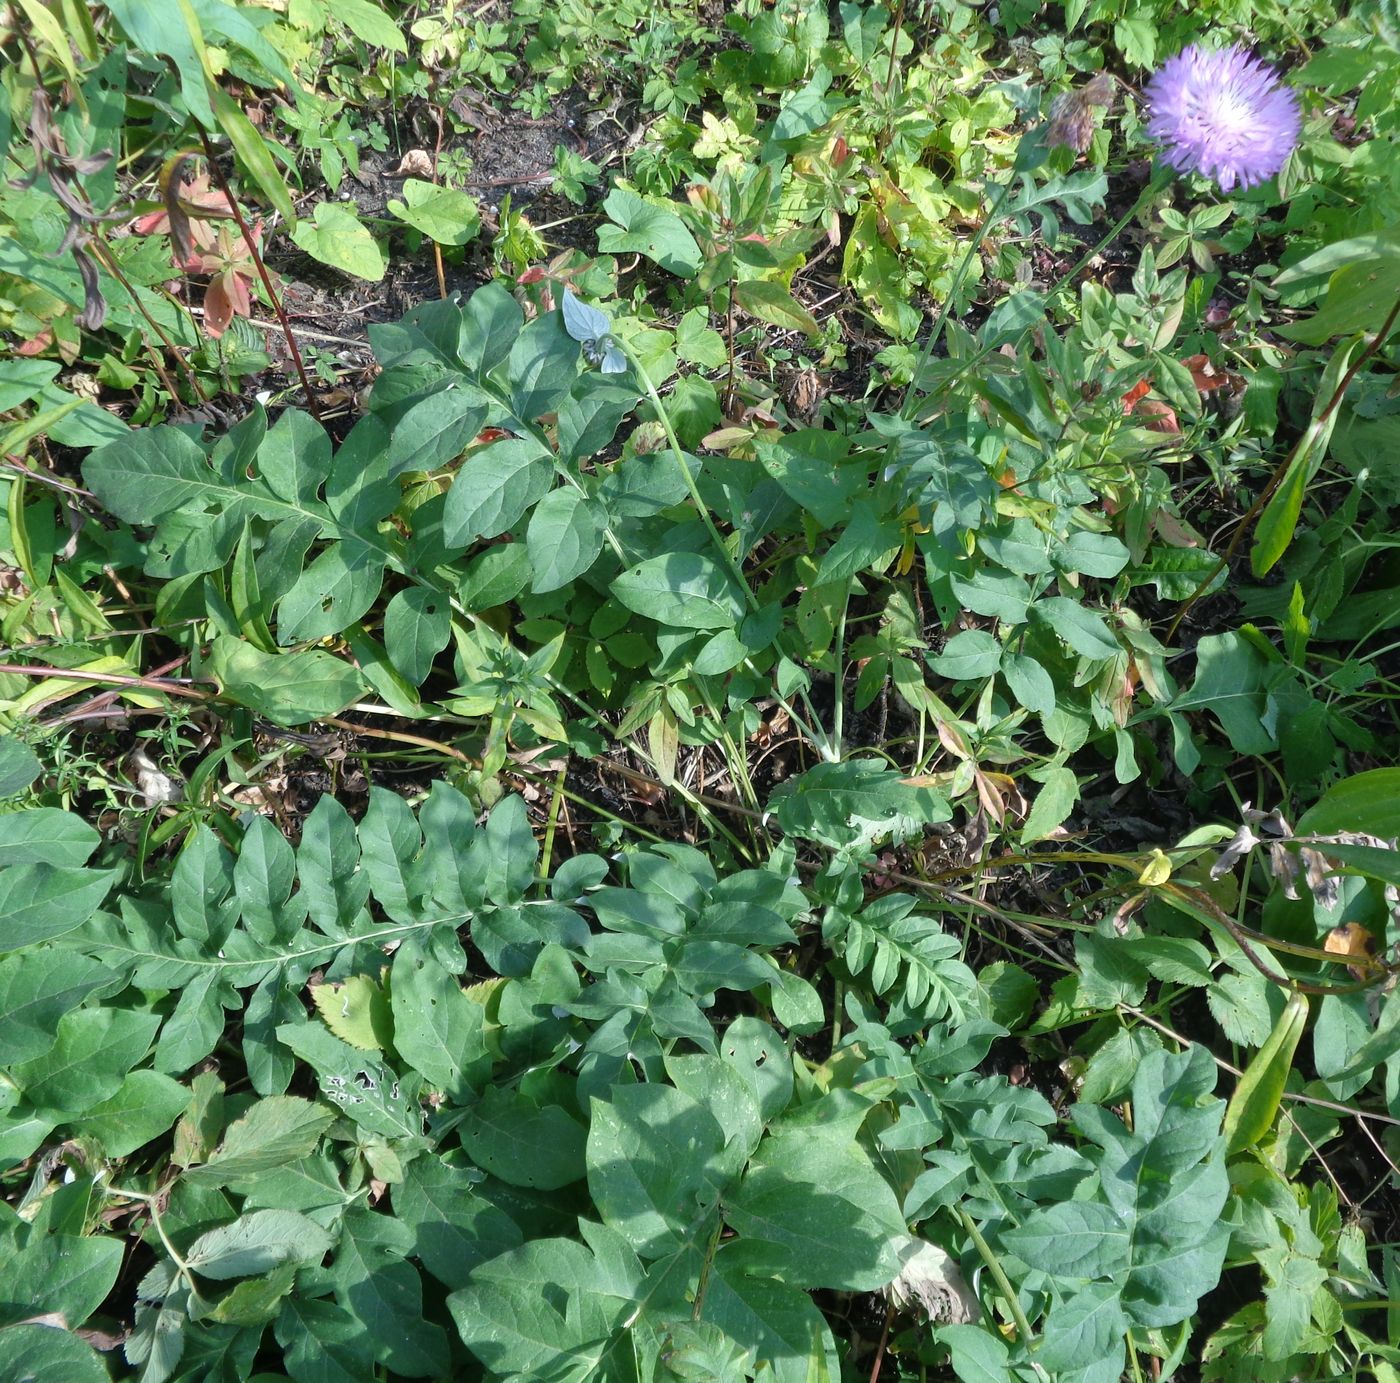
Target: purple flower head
<point>1223,113</point>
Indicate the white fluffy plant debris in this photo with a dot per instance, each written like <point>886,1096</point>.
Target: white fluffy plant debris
<point>931,1283</point>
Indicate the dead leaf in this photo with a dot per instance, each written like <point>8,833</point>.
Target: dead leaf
<point>416,163</point>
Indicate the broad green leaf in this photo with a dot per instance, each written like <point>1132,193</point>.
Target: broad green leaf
<point>19,766</point>
<point>494,488</point>
<point>42,1354</point>
<point>364,1089</point>
<point>339,238</point>
<point>455,1230</point>
<point>36,989</point>
<point>543,364</point>
<point>779,1322</point>
<point>385,1293</point>
<point>683,590</point>
<point>444,214</point>
<point>94,1050</point>
<point>60,1274</point>
<point>843,804</point>
<point>1083,629</point>
<point>822,1200</point>
<point>642,228</point>
<point>972,654</point>
<point>417,627</point>
<point>323,1342</point>
<point>564,538</point>
<point>41,901</point>
<point>549,1309</point>
<point>438,429</point>
<point>369,23</point>
<point>146,1105</point>
<point>288,688</point>
<point>523,1143</point>
<point>256,1243</point>
<point>437,1029</point>
<point>773,303</point>
<point>1029,682</point>
<point>655,1166</point>
<point>275,1131</point>
<point>46,835</point>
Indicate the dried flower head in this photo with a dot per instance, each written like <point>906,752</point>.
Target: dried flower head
<point>1224,114</point>
<point>1072,115</point>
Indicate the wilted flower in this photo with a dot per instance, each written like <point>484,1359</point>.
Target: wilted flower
<point>1072,115</point>
<point>1222,113</point>
<point>930,1281</point>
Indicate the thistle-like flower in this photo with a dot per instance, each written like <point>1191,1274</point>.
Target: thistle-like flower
<point>1222,113</point>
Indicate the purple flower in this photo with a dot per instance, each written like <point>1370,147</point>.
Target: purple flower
<point>1223,113</point>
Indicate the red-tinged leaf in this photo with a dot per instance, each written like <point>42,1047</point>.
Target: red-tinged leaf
<point>218,308</point>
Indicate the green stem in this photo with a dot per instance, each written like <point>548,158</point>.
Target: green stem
<point>1003,1282</point>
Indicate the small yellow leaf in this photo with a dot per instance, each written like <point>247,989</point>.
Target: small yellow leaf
<point>1157,870</point>
<point>357,1012</point>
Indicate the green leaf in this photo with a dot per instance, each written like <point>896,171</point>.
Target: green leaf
<point>523,1143</point>
<point>417,627</point>
<point>257,1242</point>
<point>779,1322</point>
<point>773,303</point>
<point>1251,1111</point>
<point>1084,630</point>
<point>358,1083</point>
<point>655,1165</point>
<point>19,766</point>
<point>385,1293</point>
<point>323,1343</point>
<point>443,214</point>
<point>46,835</point>
<point>455,1230</point>
<point>437,1029</point>
<point>642,228</point>
<point>542,367</point>
<point>41,1354</point>
<point>820,1198</point>
<point>437,429</point>
<point>60,1274</point>
<point>339,238</point>
<point>288,688</point>
<point>564,538</point>
<point>94,1050</point>
<point>41,901</point>
<point>369,24</point>
<point>1273,531</point>
<point>145,1106</point>
<point>1029,682</point>
<point>36,989</point>
<point>858,800</point>
<point>967,656</point>
<point>682,590</point>
<point>274,1132</point>
<point>1059,791</point>
<point>547,1310</point>
<point>494,488</point>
